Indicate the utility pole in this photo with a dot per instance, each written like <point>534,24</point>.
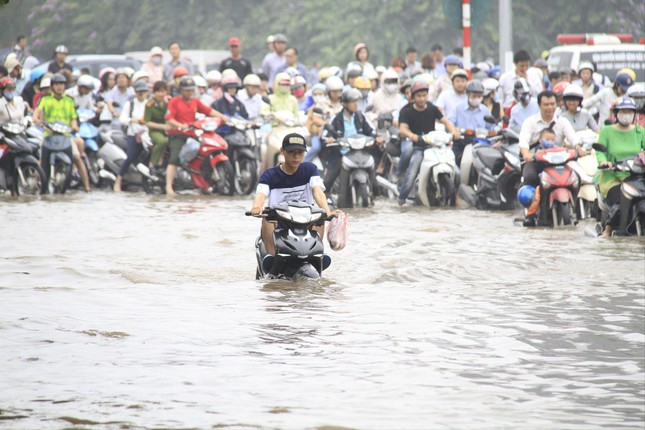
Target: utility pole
<point>505,34</point>
<point>465,21</point>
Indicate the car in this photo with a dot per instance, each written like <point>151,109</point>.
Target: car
<point>97,62</point>
<point>609,53</point>
<point>203,60</point>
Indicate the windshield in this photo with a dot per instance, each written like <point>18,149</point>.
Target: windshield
<point>560,60</point>
<point>609,63</point>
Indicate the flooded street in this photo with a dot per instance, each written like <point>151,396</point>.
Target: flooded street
<point>130,311</point>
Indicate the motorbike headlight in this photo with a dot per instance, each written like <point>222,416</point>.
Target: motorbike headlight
<point>544,182</point>
<point>284,214</point>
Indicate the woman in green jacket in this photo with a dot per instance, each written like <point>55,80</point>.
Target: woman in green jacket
<point>623,140</point>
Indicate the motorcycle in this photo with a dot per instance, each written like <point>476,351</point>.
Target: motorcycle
<point>356,177</point>
<point>491,171</point>
<point>111,155</point>
<point>586,168</point>
<point>633,188</point>
<point>204,164</point>
<point>89,133</point>
<point>286,123</point>
<point>559,183</point>
<point>438,178</point>
<point>298,250</point>
<point>59,163</point>
<point>391,136</point>
<point>242,153</point>
<point>20,170</point>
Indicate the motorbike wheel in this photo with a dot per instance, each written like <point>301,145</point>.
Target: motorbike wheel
<point>226,183</point>
<point>34,182</point>
<point>61,179</point>
<point>248,178</point>
<point>362,195</point>
<point>446,190</point>
<point>561,214</point>
<point>92,167</point>
<point>153,187</point>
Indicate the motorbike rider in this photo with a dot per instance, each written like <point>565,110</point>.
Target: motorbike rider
<point>329,107</point>
<point>444,83</point>
<point>315,121</point>
<point>387,99</point>
<point>348,122</point>
<point>470,116</point>
<point>154,118</point>
<point>60,107</point>
<point>230,105</point>
<point>417,119</point>
<point>490,91</point>
<point>250,95</point>
<point>522,61</point>
<point>133,113</point>
<point>214,91</point>
<point>177,74</point>
<point>12,106</point>
<point>117,97</point>
<point>154,65</point>
<point>529,141</point>
<point>180,114</point>
<point>589,86</point>
<point>525,106</point>
<point>281,99</point>
<point>289,181</point>
<point>637,93</point>
<point>579,118</point>
<point>299,91</point>
<point>623,139</point>
<point>448,100</point>
<point>44,87</point>
<point>82,93</point>
<point>601,102</point>
<point>364,86</point>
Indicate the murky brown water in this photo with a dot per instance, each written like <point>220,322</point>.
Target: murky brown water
<point>140,312</point>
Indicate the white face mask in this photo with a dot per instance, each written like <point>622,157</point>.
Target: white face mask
<point>391,88</point>
<point>318,98</point>
<point>475,101</point>
<point>156,60</point>
<point>625,118</point>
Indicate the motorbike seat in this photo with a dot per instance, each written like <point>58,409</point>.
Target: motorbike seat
<point>491,158</point>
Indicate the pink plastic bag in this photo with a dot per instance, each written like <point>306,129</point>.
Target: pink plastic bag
<point>337,232</point>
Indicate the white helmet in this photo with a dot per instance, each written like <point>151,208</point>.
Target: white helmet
<point>252,79</point>
<point>370,74</point>
<point>85,81</point>
<point>636,91</point>
<point>213,77</point>
<point>128,71</point>
<point>292,71</point>
<point>228,72</point>
<point>140,74</point>
<point>200,81</point>
<point>586,65</point>
<point>425,77</point>
<point>334,83</point>
<point>573,91</point>
<point>336,71</point>
<point>490,85</point>
<point>390,74</point>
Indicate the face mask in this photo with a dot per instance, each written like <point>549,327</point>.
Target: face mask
<point>298,92</point>
<point>546,144</point>
<point>156,61</point>
<point>475,101</point>
<point>625,118</point>
<point>10,96</point>
<point>319,98</point>
<point>391,88</point>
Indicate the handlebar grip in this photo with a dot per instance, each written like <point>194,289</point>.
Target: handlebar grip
<point>248,213</point>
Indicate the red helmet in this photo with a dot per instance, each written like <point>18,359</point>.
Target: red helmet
<point>559,88</point>
<point>7,82</point>
<point>179,72</point>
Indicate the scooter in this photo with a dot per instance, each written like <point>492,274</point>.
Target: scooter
<point>438,179</point>
<point>286,123</point>
<point>586,168</point>
<point>204,164</point>
<point>60,164</point>
<point>20,171</point>
<point>357,174</point>
<point>559,184</point>
<point>111,155</point>
<point>633,188</point>
<point>298,250</point>
<point>242,153</point>
<point>89,133</point>
<point>388,180</point>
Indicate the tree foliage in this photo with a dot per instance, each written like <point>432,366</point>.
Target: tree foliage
<point>325,30</point>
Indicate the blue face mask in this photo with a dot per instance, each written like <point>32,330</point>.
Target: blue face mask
<point>546,144</point>
<point>9,96</point>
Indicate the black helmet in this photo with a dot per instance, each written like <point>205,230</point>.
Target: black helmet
<point>350,95</point>
<point>57,78</point>
<point>475,87</point>
<point>140,87</point>
<point>187,83</point>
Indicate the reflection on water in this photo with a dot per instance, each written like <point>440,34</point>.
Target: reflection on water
<point>130,311</point>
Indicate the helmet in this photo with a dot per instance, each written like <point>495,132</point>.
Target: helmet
<point>179,72</point>
<point>371,74</point>
<point>61,49</point>
<point>419,86</point>
<point>521,87</point>
<point>140,74</point>
<point>105,70</point>
<point>200,81</point>
<point>490,85</point>
<point>350,95</point>
<point>228,72</point>
<point>292,71</point>
<point>406,84</point>
<point>282,78</point>
<point>362,83</point>
<point>541,62</point>
<point>526,195</point>
<point>558,89</point>
<point>297,81</point>
<point>624,103</point>
<point>624,81</point>
<point>129,71</point>
<point>85,81</point>
<point>7,82</point>
<point>636,90</point>
<point>573,91</point>
<point>187,83</point>
<point>390,74</point>
<point>213,77</point>
<point>140,87</point>
<point>57,78</point>
<point>453,59</point>
<point>334,83</point>
<point>459,72</point>
<point>379,69</point>
<point>336,71</point>
<point>324,73</point>
<point>354,70</point>
<point>627,71</point>
<point>231,82</point>
<point>586,65</point>
<point>495,72</point>
<point>252,79</point>
<point>483,66</point>
<point>475,87</point>
<point>36,74</point>
<point>46,82</point>
<point>425,77</point>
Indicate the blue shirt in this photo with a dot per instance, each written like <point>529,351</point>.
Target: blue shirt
<point>271,64</point>
<point>519,113</point>
<point>472,118</point>
<point>280,187</point>
<point>350,126</point>
<point>449,100</point>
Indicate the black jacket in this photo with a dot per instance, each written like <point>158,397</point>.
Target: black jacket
<point>338,124</point>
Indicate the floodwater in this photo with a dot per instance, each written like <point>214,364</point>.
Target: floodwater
<point>130,311</point>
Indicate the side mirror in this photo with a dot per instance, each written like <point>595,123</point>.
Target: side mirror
<point>506,119</point>
<point>489,119</point>
<point>599,147</point>
<point>266,100</point>
<point>609,121</point>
